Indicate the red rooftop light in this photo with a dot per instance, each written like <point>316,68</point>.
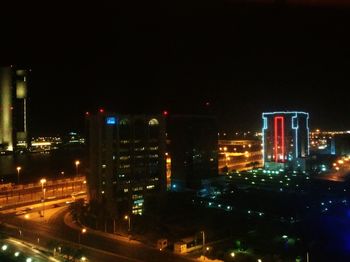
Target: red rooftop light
<point>165,113</point>
<point>87,113</point>
<point>102,110</point>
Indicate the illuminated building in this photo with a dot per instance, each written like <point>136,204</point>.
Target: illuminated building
<point>13,106</point>
<point>330,142</point>
<point>239,155</point>
<point>126,160</point>
<point>285,137</point>
<point>193,148</point>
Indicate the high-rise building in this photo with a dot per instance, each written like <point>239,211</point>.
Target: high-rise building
<point>131,157</point>
<point>193,150</point>
<point>20,112</point>
<point>285,138</point>
<point>13,108</point>
<point>126,160</point>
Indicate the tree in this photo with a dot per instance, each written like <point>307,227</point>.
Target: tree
<point>76,209</point>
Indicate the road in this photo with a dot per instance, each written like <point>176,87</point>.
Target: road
<point>31,192</point>
<point>23,251</point>
<point>96,248</point>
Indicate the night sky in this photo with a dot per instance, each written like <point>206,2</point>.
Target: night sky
<point>147,56</point>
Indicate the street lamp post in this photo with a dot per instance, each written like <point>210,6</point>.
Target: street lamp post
<point>43,181</point>
<point>18,170</point>
<point>203,239</point>
<point>129,222</point>
<point>77,163</point>
<point>81,232</point>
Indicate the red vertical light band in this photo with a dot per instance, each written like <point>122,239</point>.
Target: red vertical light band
<point>276,140</point>
<point>282,137</point>
<point>279,138</point>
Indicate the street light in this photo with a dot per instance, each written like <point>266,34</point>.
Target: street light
<point>232,254</point>
<point>77,163</point>
<point>18,170</point>
<point>43,181</point>
<point>203,239</point>
<point>129,222</point>
<point>81,232</point>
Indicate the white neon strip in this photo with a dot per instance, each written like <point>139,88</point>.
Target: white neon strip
<point>285,112</point>
<point>308,134</point>
<point>296,128</point>
<point>263,136</point>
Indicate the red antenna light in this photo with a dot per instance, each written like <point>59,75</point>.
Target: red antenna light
<point>102,110</point>
<point>87,113</point>
<point>165,113</point>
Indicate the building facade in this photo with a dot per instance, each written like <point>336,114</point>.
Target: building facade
<point>285,137</point>
<point>13,109</point>
<point>126,160</point>
<point>239,154</point>
<point>193,149</point>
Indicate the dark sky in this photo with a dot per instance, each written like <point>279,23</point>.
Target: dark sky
<point>146,56</point>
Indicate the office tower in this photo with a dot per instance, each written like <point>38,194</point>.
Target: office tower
<point>13,108</point>
<point>126,160</point>
<point>193,150</point>
<point>20,111</point>
<point>6,138</point>
<point>285,138</point>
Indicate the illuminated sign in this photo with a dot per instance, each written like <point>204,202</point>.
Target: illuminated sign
<point>111,120</point>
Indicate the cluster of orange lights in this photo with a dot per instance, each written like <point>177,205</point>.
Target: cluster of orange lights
<point>341,162</point>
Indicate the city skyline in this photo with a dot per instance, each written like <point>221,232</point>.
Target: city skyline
<point>175,131</point>
<point>243,59</point>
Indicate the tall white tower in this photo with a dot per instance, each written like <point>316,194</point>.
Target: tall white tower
<point>6,131</point>
<point>13,108</point>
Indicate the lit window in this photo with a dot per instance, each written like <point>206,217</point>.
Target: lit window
<point>153,122</point>
<point>123,122</point>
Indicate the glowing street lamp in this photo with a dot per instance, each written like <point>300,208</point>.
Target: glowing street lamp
<point>18,170</point>
<point>81,232</point>
<point>232,254</point>
<point>42,182</point>
<point>77,163</point>
<point>126,217</point>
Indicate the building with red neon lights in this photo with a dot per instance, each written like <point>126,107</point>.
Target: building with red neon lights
<point>285,138</point>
